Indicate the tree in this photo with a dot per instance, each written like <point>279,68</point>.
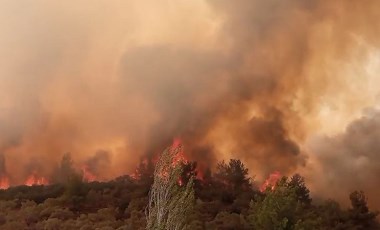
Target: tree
<point>234,174</point>
<point>303,193</point>
<point>169,202</point>
<point>65,170</point>
<point>189,170</point>
<point>331,215</point>
<point>225,220</point>
<point>360,215</point>
<point>144,172</point>
<point>276,210</point>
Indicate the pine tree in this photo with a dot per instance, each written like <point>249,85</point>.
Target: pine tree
<point>298,183</point>
<point>360,215</point>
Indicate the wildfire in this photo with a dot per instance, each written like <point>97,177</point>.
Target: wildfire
<point>200,174</point>
<point>178,157</point>
<point>271,181</point>
<point>4,182</point>
<point>33,179</point>
<point>88,176</point>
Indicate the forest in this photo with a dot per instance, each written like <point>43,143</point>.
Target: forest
<point>225,198</point>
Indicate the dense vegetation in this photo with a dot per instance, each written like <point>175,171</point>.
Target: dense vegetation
<point>224,199</point>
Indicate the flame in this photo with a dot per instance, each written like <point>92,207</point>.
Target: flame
<point>271,181</point>
<point>200,174</point>
<point>136,175</point>
<point>177,159</point>
<point>33,179</point>
<point>4,182</point>
<point>88,176</point>
<point>180,156</point>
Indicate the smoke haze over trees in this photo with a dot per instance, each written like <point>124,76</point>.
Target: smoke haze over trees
<point>225,199</point>
<point>288,86</point>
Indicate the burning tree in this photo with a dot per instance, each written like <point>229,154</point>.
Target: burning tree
<point>4,180</point>
<point>277,209</point>
<point>170,200</point>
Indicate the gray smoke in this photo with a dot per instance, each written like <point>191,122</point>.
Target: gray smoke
<point>349,161</point>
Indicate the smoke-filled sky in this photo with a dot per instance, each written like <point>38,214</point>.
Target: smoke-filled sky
<point>290,85</point>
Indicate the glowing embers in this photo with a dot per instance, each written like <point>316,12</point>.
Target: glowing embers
<point>34,179</point>
<point>4,182</point>
<point>271,181</point>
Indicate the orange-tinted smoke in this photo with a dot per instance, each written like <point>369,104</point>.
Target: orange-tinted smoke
<point>244,79</point>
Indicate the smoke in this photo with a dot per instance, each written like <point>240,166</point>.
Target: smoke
<point>99,164</point>
<point>3,170</point>
<point>247,79</point>
<point>349,161</point>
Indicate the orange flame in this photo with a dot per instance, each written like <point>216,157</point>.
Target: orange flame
<point>177,159</point>
<point>180,156</point>
<point>200,174</point>
<point>271,181</point>
<point>88,176</point>
<point>35,180</point>
<point>4,182</point>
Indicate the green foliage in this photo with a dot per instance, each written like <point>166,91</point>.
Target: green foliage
<point>276,210</point>
<point>302,192</point>
<point>226,220</point>
<point>234,174</point>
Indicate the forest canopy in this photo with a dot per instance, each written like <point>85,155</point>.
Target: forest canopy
<point>226,198</point>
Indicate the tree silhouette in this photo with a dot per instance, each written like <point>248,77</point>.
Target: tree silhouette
<point>298,183</point>
<point>360,215</point>
<point>65,170</point>
<point>234,174</point>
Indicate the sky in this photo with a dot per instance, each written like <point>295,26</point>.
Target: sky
<point>284,86</point>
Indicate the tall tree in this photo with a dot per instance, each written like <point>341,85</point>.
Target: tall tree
<point>276,210</point>
<point>360,215</point>
<point>303,193</point>
<point>144,172</point>
<point>170,201</point>
<point>234,174</point>
<point>65,171</point>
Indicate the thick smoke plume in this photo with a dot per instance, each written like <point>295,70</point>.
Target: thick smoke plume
<point>350,160</point>
<point>247,79</point>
